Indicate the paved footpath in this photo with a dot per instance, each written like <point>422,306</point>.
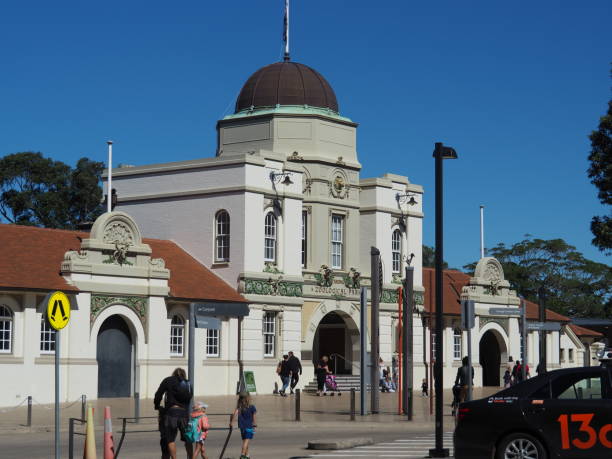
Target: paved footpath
<point>278,436</point>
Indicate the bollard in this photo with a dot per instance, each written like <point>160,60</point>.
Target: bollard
<point>297,404</point>
<point>83,406</point>
<point>352,403</point>
<point>137,407</point>
<point>71,438</point>
<point>29,411</point>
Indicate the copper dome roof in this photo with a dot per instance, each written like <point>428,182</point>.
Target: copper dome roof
<point>286,83</point>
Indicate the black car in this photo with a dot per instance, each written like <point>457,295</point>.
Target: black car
<point>560,414</point>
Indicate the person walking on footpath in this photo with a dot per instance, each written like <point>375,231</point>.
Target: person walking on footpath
<point>177,392</point>
<point>296,370</point>
<point>462,379</point>
<point>245,413</point>
<point>285,375</point>
<point>424,388</point>
<point>199,418</point>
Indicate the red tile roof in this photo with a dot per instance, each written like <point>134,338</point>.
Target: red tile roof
<point>585,332</point>
<point>454,281</point>
<point>32,257</point>
<point>189,279</point>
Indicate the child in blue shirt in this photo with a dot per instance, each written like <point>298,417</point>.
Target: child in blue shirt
<point>245,413</point>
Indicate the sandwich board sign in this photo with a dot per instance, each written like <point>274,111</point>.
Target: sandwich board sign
<point>249,382</point>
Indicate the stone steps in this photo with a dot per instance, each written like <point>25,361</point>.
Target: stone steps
<point>345,384</point>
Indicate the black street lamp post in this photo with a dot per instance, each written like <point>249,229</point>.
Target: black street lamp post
<point>440,153</point>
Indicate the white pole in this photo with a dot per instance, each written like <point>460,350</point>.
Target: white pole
<point>482,254</point>
<point>287,28</point>
<point>109,188</point>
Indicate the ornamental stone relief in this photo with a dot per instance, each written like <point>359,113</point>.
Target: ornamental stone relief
<point>137,304</point>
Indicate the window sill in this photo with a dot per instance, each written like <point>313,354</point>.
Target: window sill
<point>9,358</point>
<point>177,356</point>
<point>212,356</point>
<point>220,264</point>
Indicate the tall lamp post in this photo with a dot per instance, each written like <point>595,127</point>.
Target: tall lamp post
<point>440,153</point>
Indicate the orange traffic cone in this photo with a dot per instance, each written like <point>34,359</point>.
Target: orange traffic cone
<point>109,445</point>
<point>90,440</point>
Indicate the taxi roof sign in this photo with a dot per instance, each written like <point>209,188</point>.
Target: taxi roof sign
<point>58,310</point>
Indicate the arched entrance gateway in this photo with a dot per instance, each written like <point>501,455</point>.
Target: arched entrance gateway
<point>115,358</point>
<point>492,353</point>
<point>338,338</point>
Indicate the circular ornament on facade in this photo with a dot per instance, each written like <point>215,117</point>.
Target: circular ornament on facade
<point>338,187</point>
<point>492,273</point>
<point>118,232</point>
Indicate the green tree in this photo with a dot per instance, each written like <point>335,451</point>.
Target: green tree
<point>429,258</point>
<point>39,191</point>
<point>600,173</point>
<point>574,285</point>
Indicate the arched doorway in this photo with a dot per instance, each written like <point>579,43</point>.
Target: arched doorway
<point>334,339</point>
<point>114,354</point>
<point>490,359</point>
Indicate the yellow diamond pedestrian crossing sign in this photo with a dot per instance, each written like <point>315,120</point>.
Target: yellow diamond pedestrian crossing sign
<point>58,310</point>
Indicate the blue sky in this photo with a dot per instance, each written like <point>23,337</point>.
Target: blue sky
<point>515,87</point>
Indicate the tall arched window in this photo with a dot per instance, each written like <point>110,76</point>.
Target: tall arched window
<point>396,251</point>
<point>222,236</point>
<point>270,238</point>
<point>47,336</point>
<point>177,335</point>
<point>6,329</point>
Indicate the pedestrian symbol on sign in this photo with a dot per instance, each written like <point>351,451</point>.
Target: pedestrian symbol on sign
<point>58,310</point>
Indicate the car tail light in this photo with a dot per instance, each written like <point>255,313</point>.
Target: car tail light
<point>463,412</point>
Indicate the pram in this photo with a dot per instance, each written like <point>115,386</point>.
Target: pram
<point>331,384</point>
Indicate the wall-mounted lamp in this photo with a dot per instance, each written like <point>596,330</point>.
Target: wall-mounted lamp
<point>406,198</point>
<point>281,177</point>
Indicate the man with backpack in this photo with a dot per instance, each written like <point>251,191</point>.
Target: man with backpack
<point>177,393</point>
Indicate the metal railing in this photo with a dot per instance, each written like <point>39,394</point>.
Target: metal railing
<point>350,362</point>
<point>135,420</point>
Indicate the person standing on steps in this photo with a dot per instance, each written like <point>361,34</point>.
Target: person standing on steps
<point>296,370</point>
<point>177,392</point>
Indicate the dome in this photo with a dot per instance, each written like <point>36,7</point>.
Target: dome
<point>286,83</point>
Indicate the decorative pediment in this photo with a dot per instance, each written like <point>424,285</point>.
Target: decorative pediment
<point>114,248</point>
<point>489,284</point>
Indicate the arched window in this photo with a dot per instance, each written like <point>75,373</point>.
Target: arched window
<point>177,335</point>
<point>222,236</point>
<point>47,336</point>
<point>457,344</point>
<point>6,329</point>
<point>270,238</point>
<point>396,251</point>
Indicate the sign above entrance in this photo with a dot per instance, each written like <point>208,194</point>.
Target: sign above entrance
<point>221,309</point>
<point>58,310</point>
<point>544,326</point>
<point>211,323</point>
<point>505,311</point>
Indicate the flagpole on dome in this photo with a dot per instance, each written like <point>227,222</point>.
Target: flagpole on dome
<point>286,58</point>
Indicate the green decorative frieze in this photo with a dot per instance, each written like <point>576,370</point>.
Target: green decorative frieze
<point>419,298</point>
<point>272,287</point>
<point>137,304</point>
<point>272,268</point>
<point>389,296</point>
